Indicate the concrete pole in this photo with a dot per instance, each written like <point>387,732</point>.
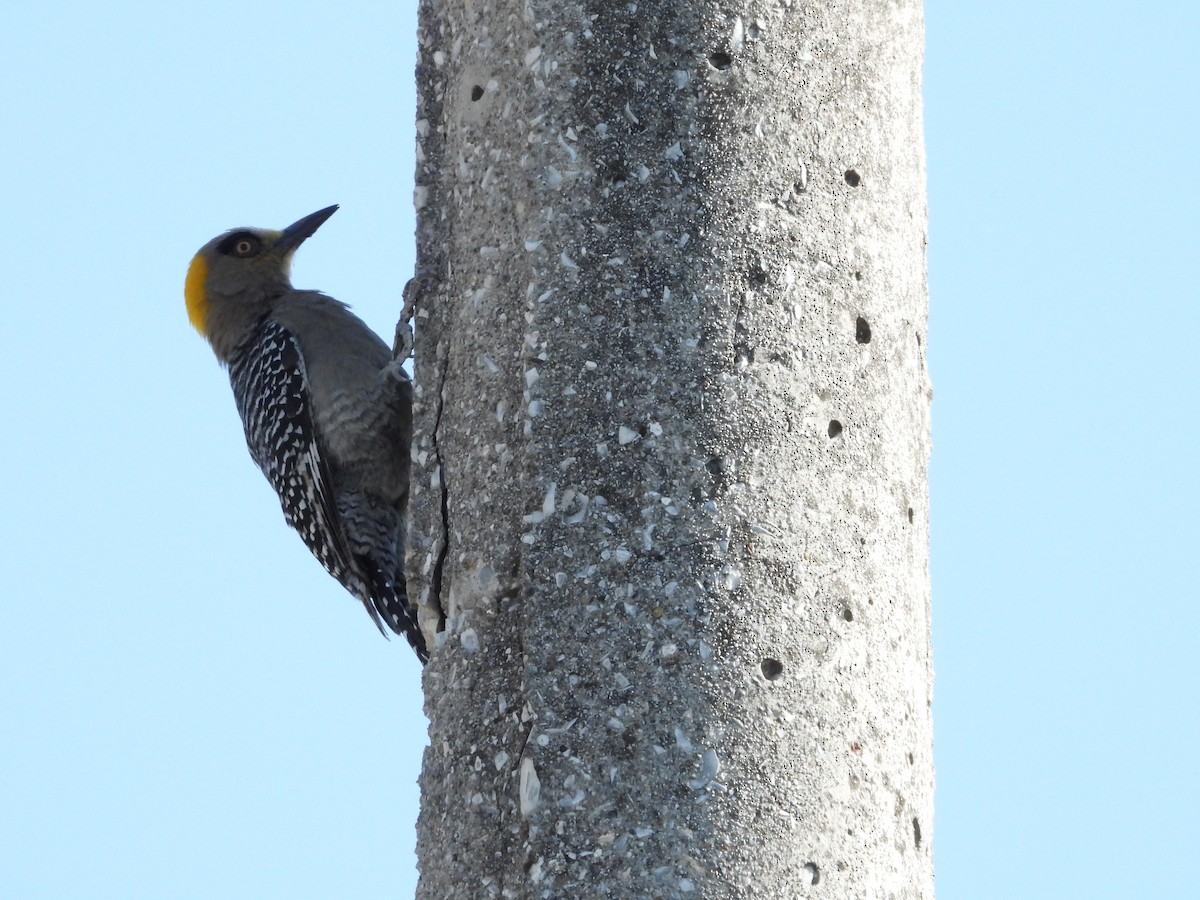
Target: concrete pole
<point>672,433</point>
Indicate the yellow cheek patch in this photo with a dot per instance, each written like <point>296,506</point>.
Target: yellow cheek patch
<point>195,292</point>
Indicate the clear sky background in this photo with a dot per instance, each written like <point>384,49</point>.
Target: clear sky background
<point>190,708</point>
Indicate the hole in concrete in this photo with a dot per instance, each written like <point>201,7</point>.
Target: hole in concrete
<point>614,168</point>
<point>476,92</point>
<point>916,832</point>
<point>771,668</point>
<point>910,515</point>
<point>720,60</point>
<point>813,872</point>
<point>835,428</point>
<point>862,331</point>
<point>853,178</point>
<point>848,614</point>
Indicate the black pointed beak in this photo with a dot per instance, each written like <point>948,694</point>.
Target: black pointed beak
<point>296,233</point>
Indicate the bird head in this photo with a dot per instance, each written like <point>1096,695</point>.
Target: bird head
<point>245,267</point>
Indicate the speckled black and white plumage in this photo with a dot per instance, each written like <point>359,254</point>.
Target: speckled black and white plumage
<point>330,485</point>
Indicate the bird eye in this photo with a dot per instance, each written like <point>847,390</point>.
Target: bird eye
<point>242,244</point>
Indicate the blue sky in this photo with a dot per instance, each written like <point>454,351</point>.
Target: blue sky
<point>191,708</point>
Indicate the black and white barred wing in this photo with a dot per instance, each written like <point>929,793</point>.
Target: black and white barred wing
<point>271,391</point>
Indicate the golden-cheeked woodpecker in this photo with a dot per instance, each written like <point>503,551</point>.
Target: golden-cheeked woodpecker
<point>326,409</point>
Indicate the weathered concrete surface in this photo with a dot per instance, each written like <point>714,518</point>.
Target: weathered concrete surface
<point>673,430</point>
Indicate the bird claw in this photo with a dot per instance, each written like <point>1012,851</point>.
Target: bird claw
<point>402,346</point>
<point>415,290</point>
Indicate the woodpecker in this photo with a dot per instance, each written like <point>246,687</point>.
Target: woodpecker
<point>326,409</point>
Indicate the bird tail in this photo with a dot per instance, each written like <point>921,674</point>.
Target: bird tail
<point>388,605</point>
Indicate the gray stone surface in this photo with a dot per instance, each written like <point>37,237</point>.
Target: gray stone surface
<point>673,426</point>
